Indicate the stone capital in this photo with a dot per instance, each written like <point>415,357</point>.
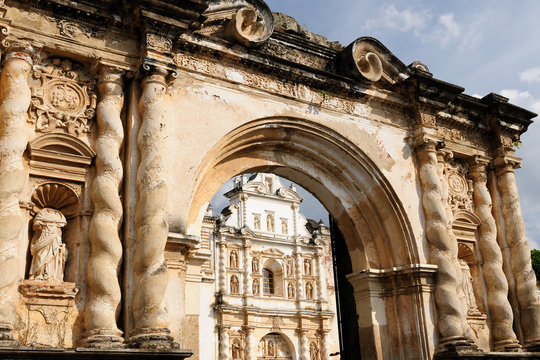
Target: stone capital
<point>504,164</point>
<point>23,49</point>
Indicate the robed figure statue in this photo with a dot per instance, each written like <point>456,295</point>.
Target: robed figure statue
<point>49,254</point>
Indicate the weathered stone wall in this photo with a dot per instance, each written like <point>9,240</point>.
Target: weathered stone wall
<point>127,119</point>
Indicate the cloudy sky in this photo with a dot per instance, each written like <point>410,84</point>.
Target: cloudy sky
<point>483,46</point>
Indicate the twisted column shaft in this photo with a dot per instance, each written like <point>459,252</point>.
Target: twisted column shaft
<point>304,345</point>
<point>103,268</point>
<point>250,343</point>
<point>325,345</point>
<point>298,276</point>
<point>151,224</point>
<point>443,248</point>
<point>222,274</point>
<point>520,254</point>
<point>224,347</point>
<point>248,291</point>
<point>15,96</point>
<point>504,338</point>
<point>321,279</point>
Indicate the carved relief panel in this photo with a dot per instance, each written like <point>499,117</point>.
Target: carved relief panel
<point>63,97</point>
<point>459,187</point>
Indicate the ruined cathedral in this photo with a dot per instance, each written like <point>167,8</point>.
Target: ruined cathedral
<point>119,122</point>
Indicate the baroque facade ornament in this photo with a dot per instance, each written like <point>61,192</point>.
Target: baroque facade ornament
<point>63,97</point>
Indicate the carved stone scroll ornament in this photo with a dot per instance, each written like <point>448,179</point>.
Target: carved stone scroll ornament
<point>452,324</point>
<point>104,297</point>
<point>14,103</point>
<point>49,253</point>
<point>251,25</point>
<point>504,338</point>
<point>361,61</point>
<point>520,253</point>
<point>149,312</point>
<point>63,97</point>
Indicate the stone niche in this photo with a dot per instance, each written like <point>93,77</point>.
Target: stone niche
<point>55,261</point>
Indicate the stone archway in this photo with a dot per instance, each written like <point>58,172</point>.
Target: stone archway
<point>361,200</point>
<point>273,346</point>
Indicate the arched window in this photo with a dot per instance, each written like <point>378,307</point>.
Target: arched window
<point>268,281</point>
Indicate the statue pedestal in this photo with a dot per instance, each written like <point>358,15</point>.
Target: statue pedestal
<point>51,313</point>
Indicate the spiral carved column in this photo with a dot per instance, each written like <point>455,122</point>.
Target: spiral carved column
<point>520,254</point>
<point>15,98</point>
<point>325,345</point>
<point>250,343</point>
<point>149,313</point>
<point>304,344</point>
<point>104,293</point>
<point>321,279</point>
<point>443,250</point>
<point>248,291</point>
<point>504,338</point>
<point>222,273</point>
<point>298,276</point>
<point>224,347</point>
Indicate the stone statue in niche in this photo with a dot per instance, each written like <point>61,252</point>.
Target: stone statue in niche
<point>270,223</point>
<point>236,350</point>
<point>468,290</point>
<point>289,267</point>
<point>309,291</point>
<point>49,253</point>
<point>271,350</point>
<point>307,267</point>
<point>255,265</point>
<point>284,228</point>
<point>290,291</point>
<point>233,260</point>
<point>234,285</point>
<point>313,352</point>
<point>256,287</point>
<point>257,223</point>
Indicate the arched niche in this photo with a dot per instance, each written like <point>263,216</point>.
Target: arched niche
<point>63,198</point>
<point>274,346</point>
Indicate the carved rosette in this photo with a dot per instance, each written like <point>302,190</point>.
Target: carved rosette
<point>504,338</point>
<point>103,304</point>
<point>63,97</point>
<point>14,103</point>
<point>520,253</point>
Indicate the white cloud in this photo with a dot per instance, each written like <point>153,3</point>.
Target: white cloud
<point>404,21</point>
<point>530,75</point>
<point>522,98</point>
<point>429,29</point>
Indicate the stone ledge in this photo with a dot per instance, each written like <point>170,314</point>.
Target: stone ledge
<point>85,353</point>
<point>489,356</point>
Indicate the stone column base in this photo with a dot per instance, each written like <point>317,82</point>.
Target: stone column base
<point>104,339</point>
<point>155,339</point>
<point>456,347</point>
<point>507,346</point>
<point>6,337</point>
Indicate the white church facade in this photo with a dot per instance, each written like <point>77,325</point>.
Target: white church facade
<point>274,279</point>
